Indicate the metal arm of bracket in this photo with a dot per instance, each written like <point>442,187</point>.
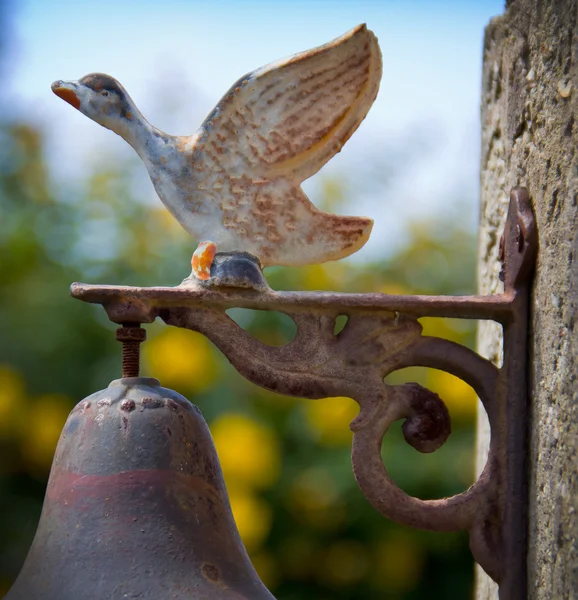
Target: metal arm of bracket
<point>382,335</point>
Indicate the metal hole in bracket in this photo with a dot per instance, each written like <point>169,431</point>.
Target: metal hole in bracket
<point>271,327</point>
<point>340,323</point>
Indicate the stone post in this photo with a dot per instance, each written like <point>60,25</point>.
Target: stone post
<point>530,138</point>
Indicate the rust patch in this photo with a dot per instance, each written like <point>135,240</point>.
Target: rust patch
<point>152,402</point>
<point>211,572</point>
<point>127,405</point>
<point>77,488</point>
<point>172,404</point>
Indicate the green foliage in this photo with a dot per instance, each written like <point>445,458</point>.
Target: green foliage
<point>307,527</point>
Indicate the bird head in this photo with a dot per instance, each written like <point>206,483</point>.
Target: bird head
<point>100,97</point>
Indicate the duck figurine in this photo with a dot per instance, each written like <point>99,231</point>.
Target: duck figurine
<point>235,185</point>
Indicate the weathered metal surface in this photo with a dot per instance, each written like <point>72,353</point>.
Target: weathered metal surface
<point>237,181</point>
<point>382,335</point>
<point>144,305</point>
<point>136,507</point>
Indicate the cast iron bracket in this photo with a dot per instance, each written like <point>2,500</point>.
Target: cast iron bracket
<point>383,335</point>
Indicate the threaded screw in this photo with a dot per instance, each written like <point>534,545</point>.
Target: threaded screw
<point>131,335</point>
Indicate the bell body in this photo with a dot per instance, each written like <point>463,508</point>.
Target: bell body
<point>136,507</point>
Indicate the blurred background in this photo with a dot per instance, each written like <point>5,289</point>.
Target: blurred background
<point>77,205</point>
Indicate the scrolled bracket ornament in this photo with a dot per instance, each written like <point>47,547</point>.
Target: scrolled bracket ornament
<point>382,335</point>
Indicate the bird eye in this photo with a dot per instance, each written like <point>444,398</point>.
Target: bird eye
<point>104,93</point>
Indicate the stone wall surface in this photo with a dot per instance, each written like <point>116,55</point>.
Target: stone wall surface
<point>530,138</point>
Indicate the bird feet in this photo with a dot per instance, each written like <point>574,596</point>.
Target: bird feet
<point>225,270</point>
<point>203,259</point>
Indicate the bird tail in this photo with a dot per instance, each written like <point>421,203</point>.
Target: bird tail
<point>338,236</point>
<point>321,237</point>
<point>308,236</point>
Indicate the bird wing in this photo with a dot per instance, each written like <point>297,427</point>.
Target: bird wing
<point>290,117</point>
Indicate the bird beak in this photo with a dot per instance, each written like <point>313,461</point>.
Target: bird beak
<point>67,91</point>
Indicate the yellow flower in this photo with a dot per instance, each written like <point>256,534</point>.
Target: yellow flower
<point>327,277</point>
<point>252,514</point>
<point>329,419</point>
<point>315,488</point>
<point>45,421</point>
<point>12,401</point>
<point>248,450</point>
<point>398,563</point>
<point>455,330</point>
<point>345,563</point>
<point>315,500</point>
<point>181,359</point>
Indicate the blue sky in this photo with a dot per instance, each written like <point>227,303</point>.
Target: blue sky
<point>176,58</point>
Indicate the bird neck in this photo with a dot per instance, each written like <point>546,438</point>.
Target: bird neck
<point>145,138</point>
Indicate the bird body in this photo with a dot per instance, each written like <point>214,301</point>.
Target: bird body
<point>237,181</point>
